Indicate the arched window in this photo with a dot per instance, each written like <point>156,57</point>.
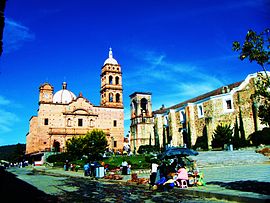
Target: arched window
<point>110,80</point>
<point>117,98</point>
<point>144,104</point>
<point>56,146</point>
<point>111,97</point>
<point>117,80</point>
<point>69,122</point>
<point>91,123</point>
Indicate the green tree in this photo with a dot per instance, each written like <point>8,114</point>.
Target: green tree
<point>92,145</point>
<point>95,144</point>
<point>256,47</point>
<point>188,136</point>
<point>260,137</point>
<point>205,138</point>
<point>13,153</point>
<point>221,136</point>
<point>236,135</point>
<point>262,94</point>
<point>75,147</point>
<point>202,141</point>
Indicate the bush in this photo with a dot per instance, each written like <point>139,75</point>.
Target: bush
<point>201,143</point>
<point>59,158</point>
<point>136,162</point>
<point>222,135</point>
<point>260,137</point>
<point>146,149</point>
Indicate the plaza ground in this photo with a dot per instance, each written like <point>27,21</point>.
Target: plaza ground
<point>240,176</point>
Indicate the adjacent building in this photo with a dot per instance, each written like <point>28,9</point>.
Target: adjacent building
<point>231,104</point>
<point>63,115</point>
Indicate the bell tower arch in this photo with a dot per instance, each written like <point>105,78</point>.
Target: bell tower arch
<point>111,91</point>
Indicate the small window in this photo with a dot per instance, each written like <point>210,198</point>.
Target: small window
<point>200,111</point>
<point>69,122</point>
<point>46,121</point>
<point>229,104</point>
<point>114,123</point>
<point>114,143</point>
<point>80,122</point>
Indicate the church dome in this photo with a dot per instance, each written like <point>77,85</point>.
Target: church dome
<point>63,96</point>
<point>110,60</point>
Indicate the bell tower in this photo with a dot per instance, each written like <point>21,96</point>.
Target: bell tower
<point>46,93</point>
<point>142,124</point>
<point>111,91</point>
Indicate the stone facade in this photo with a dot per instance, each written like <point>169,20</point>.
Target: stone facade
<point>62,115</point>
<point>205,112</point>
<point>141,128</point>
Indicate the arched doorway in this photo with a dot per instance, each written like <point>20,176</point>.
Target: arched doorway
<point>56,146</point>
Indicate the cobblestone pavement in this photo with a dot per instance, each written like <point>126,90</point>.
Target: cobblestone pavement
<point>229,176</point>
<point>77,189</point>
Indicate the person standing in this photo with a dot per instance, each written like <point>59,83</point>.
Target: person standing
<point>92,169</point>
<point>86,168</point>
<point>67,165</point>
<point>124,167</point>
<point>154,168</point>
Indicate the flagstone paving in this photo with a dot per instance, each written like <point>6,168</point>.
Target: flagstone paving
<point>241,176</point>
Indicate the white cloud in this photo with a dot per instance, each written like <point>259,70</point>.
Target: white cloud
<point>4,101</point>
<point>171,82</point>
<point>7,120</point>
<point>15,34</point>
<point>156,68</point>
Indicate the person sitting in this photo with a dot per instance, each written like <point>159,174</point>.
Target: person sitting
<point>182,174</point>
<point>159,184</point>
<point>169,184</point>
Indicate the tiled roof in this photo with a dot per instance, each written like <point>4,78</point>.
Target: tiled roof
<point>201,97</point>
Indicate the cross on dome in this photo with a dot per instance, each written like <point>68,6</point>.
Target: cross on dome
<point>110,60</point>
<point>110,53</point>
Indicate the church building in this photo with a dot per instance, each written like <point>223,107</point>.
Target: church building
<point>63,115</point>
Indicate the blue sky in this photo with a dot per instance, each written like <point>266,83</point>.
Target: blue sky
<point>175,49</point>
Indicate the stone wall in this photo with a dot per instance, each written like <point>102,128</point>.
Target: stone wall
<point>63,124</point>
<point>224,107</point>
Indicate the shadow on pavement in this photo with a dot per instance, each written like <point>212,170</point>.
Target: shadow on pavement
<point>13,189</point>
<point>246,186</point>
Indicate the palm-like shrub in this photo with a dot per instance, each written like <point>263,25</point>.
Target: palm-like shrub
<point>221,136</point>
